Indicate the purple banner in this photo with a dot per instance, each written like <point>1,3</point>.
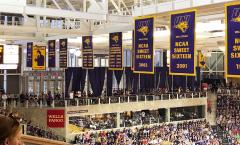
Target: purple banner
<point>143,47</point>
<point>87,52</point>
<point>29,54</point>
<point>63,53</point>
<point>182,49</point>
<point>51,53</point>
<point>233,40</point>
<point>115,51</point>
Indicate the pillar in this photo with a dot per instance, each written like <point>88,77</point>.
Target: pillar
<point>118,120</point>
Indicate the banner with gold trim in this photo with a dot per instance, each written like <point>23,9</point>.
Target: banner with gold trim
<point>143,45</point>
<point>182,44</point>
<point>115,51</point>
<point>39,58</point>
<point>232,21</point>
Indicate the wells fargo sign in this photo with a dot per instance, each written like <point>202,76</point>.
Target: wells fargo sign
<point>55,118</point>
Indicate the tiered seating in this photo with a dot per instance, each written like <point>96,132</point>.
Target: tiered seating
<point>185,133</point>
<point>228,116</point>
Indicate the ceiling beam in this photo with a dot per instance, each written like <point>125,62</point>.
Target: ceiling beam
<point>56,4</point>
<point>115,6</point>
<point>49,12</point>
<point>70,5</point>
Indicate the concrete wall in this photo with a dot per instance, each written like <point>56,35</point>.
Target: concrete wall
<point>135,106</point>
<point>39,117</point>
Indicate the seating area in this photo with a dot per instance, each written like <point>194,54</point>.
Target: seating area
<point>228,116</point>
<point>185,133</point>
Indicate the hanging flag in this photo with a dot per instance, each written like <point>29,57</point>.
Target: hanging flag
<point>201,60</point>
<point>63,44</point>
<point>87,52</point>
<point>29,54</point>
<point>39,58</point>
<point>182,44</point>
<point>1,53</point>
<point>51,53</point>
<point>143,46</point>
<point>232,18</point>
<point>115,51</point>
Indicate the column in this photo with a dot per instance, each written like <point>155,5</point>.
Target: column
<point>167,118</point>
<point>118,120</point>
<point>5,81</point>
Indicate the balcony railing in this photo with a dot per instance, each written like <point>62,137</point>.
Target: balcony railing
<point>39,102</point>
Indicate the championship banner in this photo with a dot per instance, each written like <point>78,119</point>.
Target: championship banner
<point>39,58</point>
<point>182,44</point>
<point>1,53</point>
<point>87,52</point>
<point>51,53</point>
<point>143,46</point>
<point>29,54</point>
<point>63,53</point>
<point>55,118</point>
<point>232,17</point>
<point>115,51</point>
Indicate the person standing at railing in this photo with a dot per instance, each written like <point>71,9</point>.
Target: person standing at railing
<point>10,131</point>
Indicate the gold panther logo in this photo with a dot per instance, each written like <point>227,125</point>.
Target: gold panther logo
<point>181,23</point>
<point>236,15</point>
<point>115,38</point>
<point>144,30</point>
<point>51,44</point>
<point>87,41</point>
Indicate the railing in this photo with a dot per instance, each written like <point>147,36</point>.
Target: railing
<point>15,102</point>
<point>40,141</point>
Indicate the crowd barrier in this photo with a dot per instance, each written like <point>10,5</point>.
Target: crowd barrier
<point>38,102</point>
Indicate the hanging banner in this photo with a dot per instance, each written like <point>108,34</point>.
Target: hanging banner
<point>63,53</point>
<point>115,51</point>
<point>29,54</point>
<point>201,60</point>
<point>232,17</point>
<point>143,46</point>
<point>39,58</point>
<point>1,53</point>
<point>51,53</point>
<point>87,52</point>
<point>182,44</point>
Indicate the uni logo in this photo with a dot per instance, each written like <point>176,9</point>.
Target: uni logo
<point>143,27</point>
<point>87,41</point>
<point>181,23</point>
<point>115,38</point>
<point>29,46</point>
<point>236,15</point>
<point>52,44</point>
<point>63,43</point>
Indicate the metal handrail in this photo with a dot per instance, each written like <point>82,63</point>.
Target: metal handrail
<point>44,102</point>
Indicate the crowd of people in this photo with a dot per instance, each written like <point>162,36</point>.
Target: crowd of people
<point>105,121</point>
<point>186,133</point>
<point>228,116</point>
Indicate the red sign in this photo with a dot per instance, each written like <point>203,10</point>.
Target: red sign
<point>55,118</point>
